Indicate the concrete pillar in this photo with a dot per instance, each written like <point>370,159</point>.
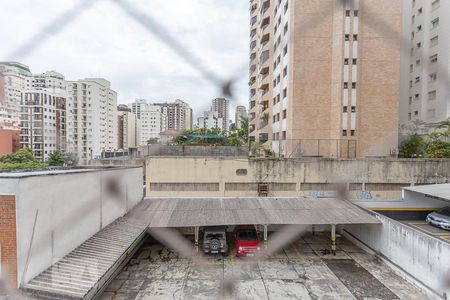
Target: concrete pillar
<point>196,238</point>
<point>265,236</point>
<point>333,239</point>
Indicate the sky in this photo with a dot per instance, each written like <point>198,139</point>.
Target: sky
<point>103,41</point>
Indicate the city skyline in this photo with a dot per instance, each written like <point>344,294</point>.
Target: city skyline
<point>129,58</point>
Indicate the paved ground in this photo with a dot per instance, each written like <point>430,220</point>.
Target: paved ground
<point>431,230</point>
<point>303,270</point>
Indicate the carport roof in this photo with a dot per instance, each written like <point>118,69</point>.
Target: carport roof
<point>439,191</point>
<point>185,212</point>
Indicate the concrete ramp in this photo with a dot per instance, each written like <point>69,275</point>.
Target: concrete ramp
<point>84,272</point>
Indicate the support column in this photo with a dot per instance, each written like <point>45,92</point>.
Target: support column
<point>333,239</point>
<point>265,236</point>
<point>313,230</point>
<point>196,238</point>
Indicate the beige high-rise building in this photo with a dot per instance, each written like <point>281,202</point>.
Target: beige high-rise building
<point>325,76</point>
<point>126,127</point>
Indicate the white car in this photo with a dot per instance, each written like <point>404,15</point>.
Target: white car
<point>440,218</point>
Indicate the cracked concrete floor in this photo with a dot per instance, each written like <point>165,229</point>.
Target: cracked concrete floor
<point>303,270</point>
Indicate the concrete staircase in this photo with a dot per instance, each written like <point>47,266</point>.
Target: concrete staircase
<point>84,272</point>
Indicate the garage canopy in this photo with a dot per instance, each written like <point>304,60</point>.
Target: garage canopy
<point>186,212</point>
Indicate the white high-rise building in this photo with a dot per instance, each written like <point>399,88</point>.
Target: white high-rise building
<point>15,78</point>
<point>150,120</point>
<point>240,115</point>
<point>152,123</point>
<point>425,88</point>
<point>222,107</point>
<point>210,120</point>
<point>93,118</point>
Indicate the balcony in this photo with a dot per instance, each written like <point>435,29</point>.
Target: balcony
<point>265,6</point>
<point>253,20</point>
<point>265,22</point>
<point>252,69</point>
<point>252,45</point>
<point>253,33</point>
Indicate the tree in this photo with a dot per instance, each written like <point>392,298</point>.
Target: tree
<point>20,160</point>
<point>413,146</point>
<point>152,141</point>
<point>56,158</point>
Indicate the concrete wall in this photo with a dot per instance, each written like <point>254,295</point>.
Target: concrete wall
<point>424,257</point>
<point>168,150</point>
<point>232,177</point>
<point>65,208</point>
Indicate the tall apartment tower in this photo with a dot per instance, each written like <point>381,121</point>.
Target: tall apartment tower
<point>325,76</point>
<point>14,78</point>
<point>152,123</point>
<point>126,128</point>
<point>137,105</point>
<point>222,107</point>
<point>13,82</point>
<point>240,114</point>
<point>426,71</point>
<point>178,114</point>
<point>43,122</point>
<point>93,117</point>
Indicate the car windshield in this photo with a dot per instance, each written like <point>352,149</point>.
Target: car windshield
<point>445,211</point>
<point>214,235</point>
<point>247,235</point>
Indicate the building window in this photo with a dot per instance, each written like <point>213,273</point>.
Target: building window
<point>355,37</point>
<point>347,13</point>
<point>419,28</point>
<point>433,58</point>
<point>418,62</point>
<point>354,60</point>
<point>411,68</point>
<point>432,95</point>
<point>419,10</point>
<point>419,45</point>
<point>416,97</point>
<point>409,116</point>
<point>412,35</point>
<point>435,23</point>
<point>353,109</point>
<point>416,113</point>
<point>353,85</point>
<point>434,41</point>
<point>284,114</point>
<point>433,76</point>
<point>435,4</point>
<point>346,61</point>
<point>355,13</point>
<point>285,72</point>
<point>345,85</point>
<point>410,100</point>
<point>283,135</point>
<point>285,93</point>
<point>344,132</point>
<point>344,109</point>
<point>285,50</point>
<point>352,132</point>
<point>285,28</point>
<point>417,79</point>
<point>347,37</point>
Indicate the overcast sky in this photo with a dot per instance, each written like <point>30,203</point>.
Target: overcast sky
<point>104,42</point>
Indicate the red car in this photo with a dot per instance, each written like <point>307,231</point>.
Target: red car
<point>247,242</point>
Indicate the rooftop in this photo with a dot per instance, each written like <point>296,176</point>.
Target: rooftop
<point>440,191</point>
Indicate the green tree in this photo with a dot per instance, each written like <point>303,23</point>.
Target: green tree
<point>413,146</point>
<point>152,141</point>
<point>56,158</point>
<point>20,160</point>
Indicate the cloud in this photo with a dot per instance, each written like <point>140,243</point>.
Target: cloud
<point>104,42</point>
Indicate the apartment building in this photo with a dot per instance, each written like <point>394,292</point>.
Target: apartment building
<point>210,120</point>
<point>43,122</point>
<point>13,81</point>
<point>126,128</point>
<point>323,82</point>
<point>178,113</point>
<point>240,115</point>
<point>137,105</point>
<point>152,123</point>
<point>93,117</point>
<point>222,107</point>
<point>425,71</point>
